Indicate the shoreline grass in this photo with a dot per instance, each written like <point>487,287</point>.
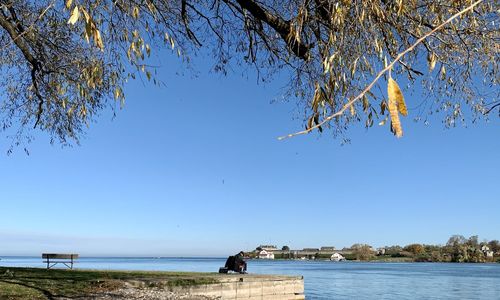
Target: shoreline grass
<point>38,283</point>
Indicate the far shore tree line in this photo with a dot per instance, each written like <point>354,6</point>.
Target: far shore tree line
<point>457,249</point>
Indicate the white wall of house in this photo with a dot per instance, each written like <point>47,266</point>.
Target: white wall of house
<point>337,257</point>
<point>266,254</point>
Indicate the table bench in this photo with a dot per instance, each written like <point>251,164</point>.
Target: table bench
<point>52,259</point>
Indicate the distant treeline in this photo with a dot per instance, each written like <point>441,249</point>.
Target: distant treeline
<point>457,249</point>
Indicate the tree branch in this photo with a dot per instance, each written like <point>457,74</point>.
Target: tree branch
<point>381,73</point>
<point>281,26</point>
<point>491,108</point>
<point>185,20</point>
<point>16,32</point>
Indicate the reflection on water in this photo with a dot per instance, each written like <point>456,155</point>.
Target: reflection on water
<point>329,280</point>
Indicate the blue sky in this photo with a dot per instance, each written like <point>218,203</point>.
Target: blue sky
<point>195,168</point>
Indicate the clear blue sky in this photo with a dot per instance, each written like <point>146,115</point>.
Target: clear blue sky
<point>195,169</point>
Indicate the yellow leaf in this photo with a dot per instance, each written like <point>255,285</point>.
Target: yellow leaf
<point>98,39</point>
<point>432,59</point>
<point>400,4</point>
<point>75,14</point>
<point>85,14</point>
<point>118,92</point>
<point>396,104</point>
<point>395,92</point>
<point>68,3</point>
<point>395,122</point>
<point>443,72</point>
<point>366,104</point>
<point>353,110</point>
<point>135,12</point>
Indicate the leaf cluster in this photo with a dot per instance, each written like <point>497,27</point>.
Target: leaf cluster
<point>62,62</point>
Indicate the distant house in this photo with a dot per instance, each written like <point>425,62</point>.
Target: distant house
<point>263,254</point>
<point>337,257</point>
<point>268,247</point>
<point>381,251</point>
<point>310,250</point>
<point>327,248</point>
<point>487,252</point>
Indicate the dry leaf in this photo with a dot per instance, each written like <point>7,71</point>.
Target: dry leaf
<point>75,14</point>
<point>353,110</point>
<point>98,39</point>
<point>432,59</point>
<point>135,12</point>
<point>396,105</point>
<point>395,92</point>
<point>86,15</point>
<point>310,122</point>
<point>443,72</point>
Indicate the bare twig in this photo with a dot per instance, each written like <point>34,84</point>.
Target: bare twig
<point>381,73</point>
<point>491,108</point>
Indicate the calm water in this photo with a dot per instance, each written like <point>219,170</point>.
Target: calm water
<point>328,280</point>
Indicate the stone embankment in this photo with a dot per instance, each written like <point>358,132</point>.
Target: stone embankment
<point>231,287</point>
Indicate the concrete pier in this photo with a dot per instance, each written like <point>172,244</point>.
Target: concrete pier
<point>249,287</point>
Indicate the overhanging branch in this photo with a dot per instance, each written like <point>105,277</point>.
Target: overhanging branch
<point>16,33</point>
<point>281,26</point>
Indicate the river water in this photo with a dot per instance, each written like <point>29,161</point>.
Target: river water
<point>331,280</point>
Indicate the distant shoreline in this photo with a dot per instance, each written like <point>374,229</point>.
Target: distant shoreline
<point>396,260</point>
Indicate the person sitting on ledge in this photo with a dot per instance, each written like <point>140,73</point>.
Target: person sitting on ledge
<point>235,263</point>
<point>240,263</point>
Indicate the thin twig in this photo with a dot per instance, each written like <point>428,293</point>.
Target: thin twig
<point>379,75</point>
<point>491,108</point>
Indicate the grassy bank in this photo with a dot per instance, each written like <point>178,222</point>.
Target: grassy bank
<point>32,283</point>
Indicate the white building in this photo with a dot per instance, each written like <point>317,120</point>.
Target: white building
<point>266,254</point>
<point>327,248</point>
<point>268,247</point>
<point>337,257</point>
<point>488,253</point>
